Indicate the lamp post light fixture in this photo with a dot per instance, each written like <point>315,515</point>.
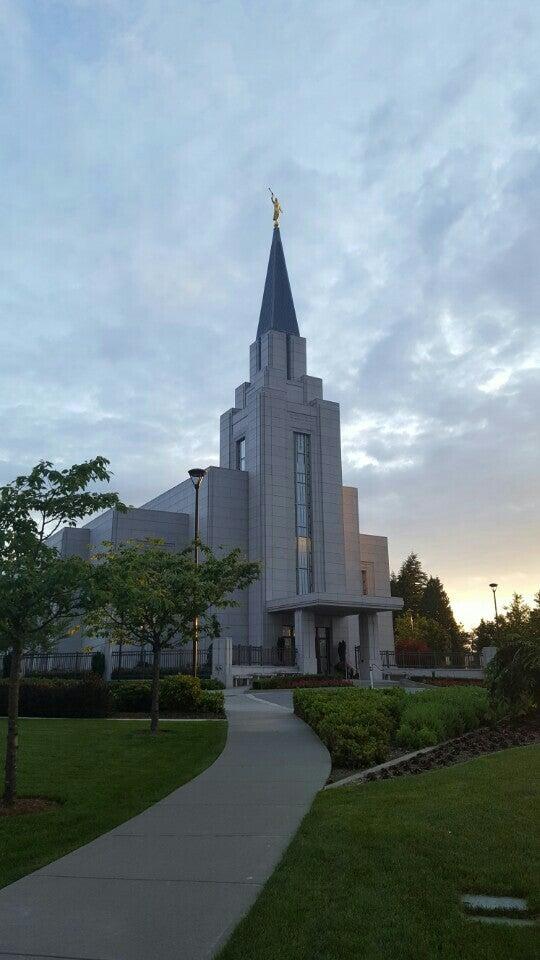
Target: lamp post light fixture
<point>196,476</point>
<point>494,589</point>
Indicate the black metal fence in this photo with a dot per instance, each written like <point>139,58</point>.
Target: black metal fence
<point>244,655</point>
<point>56,664</point>
<point>429,661</point>
<point>136,664</point>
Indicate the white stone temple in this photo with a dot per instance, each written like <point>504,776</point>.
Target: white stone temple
<point>324,593</point>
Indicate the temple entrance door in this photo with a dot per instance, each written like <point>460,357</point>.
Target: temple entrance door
<point>323,649</point>
<point>286,647</point>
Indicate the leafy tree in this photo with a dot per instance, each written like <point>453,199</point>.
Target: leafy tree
<point>514,673</point>
<point>420,634</point>
<point>409,583</point>
<point>409,634</point>
<point>484,635</point>
<point>436,606</point>
<point>145,595</point>
<point>40,592</point>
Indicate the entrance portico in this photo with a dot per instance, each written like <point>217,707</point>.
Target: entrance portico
<point>323,621</point>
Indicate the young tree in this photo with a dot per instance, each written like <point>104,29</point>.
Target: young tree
<point>484,635</point>
<point>420,634</point>
<point>39,591</point>
<point>410,584</point>
<point>409,634</point>
<point>151,597</point>
<point>514,673</point>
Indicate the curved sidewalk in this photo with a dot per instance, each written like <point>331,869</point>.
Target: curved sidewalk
<point>172,883</point>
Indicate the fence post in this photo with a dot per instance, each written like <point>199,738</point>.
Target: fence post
<point>108,660</point>
<point>222,660</point>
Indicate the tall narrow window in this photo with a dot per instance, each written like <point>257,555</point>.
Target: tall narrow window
<point>241,454</point>
<point>302,499</point>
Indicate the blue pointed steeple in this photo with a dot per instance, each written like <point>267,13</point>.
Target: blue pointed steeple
<point>277,308</point>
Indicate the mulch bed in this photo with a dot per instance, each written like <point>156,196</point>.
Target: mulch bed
<point>27,805</point>
<point>470,745</point>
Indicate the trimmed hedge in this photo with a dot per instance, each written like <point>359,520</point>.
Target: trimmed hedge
<point>93,697</point>
<point>356,725</point>
<point>211,683</point>
<point>432,716</point>
<point>90,697</point>
<point>179,694</point>
<point>360,727</point>
<point>293,681</point>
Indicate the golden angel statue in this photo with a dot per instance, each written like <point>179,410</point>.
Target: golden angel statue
<point>277,209</point>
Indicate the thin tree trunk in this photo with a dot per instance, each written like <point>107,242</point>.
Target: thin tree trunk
<point>154,712</point>
<point>10,787</point>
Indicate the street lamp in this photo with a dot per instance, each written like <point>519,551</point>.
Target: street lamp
<point>197,476</point>
<point>494,588</point>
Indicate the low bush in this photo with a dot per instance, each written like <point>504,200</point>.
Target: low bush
<point>432,716</point>
<point>293,681</point>
<point>90,697</point>
<point>178,694</point>
<point>131,696</point>
<point>98,663</point>
<point>211,683</point>
<point>356,725</point>
<point>513,675</point>
<point>212,702</point>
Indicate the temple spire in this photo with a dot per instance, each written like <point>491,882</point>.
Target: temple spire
<point>277,308</point>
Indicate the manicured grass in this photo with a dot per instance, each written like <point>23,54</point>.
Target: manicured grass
<point>376,872</point>
<point>102,772</point>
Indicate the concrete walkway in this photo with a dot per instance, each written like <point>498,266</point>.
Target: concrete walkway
<point>172,883</point>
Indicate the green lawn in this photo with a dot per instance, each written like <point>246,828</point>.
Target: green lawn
<point>376,872</point>
<point>102,772</point>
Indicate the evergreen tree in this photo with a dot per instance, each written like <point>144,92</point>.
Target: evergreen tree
<point>517,612</point>
<point>409,584</point>
<point>436,606</point>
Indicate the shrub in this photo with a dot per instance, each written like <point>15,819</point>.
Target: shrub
<point>181,693</point>
<point>98,663</point>
<point>436,715</point>
<point>356,725</point>
<point>513,675</point>
<point>293,681</point>
<point>212,701</point>
<point>60,698</point>
<point>211,683</point>
<point>131,696</point>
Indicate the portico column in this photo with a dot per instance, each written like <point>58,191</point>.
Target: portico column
<point>304,638</point>
<point>374,646</point>
<point>352,639</point>
<point>370,655</point>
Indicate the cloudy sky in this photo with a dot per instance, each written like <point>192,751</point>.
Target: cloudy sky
<point>137,142</point>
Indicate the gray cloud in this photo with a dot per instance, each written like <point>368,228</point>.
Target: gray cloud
<point>137,142</point>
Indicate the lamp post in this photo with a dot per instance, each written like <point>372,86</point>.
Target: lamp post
<point>197,476</point>
<point>494,589</point>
